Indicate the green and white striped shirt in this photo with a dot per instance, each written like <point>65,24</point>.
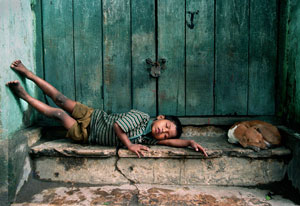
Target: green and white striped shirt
<point>135,124</point>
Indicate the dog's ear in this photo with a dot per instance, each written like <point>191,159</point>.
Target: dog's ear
<point>243,141</point>
<point>270,134</point>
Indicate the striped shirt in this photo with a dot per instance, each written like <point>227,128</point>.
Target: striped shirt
<point>133,123</point>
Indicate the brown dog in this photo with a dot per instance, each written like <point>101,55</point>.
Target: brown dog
<point>254,134</point>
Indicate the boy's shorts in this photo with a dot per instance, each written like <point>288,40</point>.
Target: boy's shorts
<point>79,131</point>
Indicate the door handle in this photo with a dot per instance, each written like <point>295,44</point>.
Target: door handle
<point>156,67</point>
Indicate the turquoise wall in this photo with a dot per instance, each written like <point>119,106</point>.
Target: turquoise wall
<point>289,63</point>
<point>17,27</point>
<point>17,41</point>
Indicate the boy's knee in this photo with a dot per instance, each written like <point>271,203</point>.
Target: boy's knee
<point>61,99</point>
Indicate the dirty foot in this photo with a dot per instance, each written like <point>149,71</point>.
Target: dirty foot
<point>18,66</point>
<point>18,90</point>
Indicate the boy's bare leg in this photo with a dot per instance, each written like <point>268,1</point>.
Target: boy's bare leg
<point>43,108</point>
<point>58,98</point>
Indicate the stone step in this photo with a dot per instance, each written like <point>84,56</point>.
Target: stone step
<point>141,194</point>
<point>226,164</point>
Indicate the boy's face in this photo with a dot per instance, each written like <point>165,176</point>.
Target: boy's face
<point>163,128</point>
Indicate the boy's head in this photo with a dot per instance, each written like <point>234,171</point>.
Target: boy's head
<point>166,127</point>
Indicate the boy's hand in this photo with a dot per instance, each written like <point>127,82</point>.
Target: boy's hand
<point>197,147</point>
<point>138,149</point>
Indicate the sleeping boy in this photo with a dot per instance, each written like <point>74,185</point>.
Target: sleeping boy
<point>94,126</point>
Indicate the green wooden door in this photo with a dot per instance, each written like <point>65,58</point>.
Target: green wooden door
<point>221,55</point>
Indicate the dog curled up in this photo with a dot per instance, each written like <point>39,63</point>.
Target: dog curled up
<point>254,134</point>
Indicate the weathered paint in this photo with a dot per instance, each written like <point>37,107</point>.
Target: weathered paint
<point>262,57</point>
<point>4,171</point>
<point>171,40</point>
<point>18,41</point>
<point>206,45</point>
<point>58,46</point>
<point>289,72</point>
<point>117,55</point>
<point>200,58</point>
<point>231,87</point>
<point>88,52</point>
<point>289,79</point>
<point>143,47</point>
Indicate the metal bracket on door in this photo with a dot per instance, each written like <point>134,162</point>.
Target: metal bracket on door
<point>156,66</point>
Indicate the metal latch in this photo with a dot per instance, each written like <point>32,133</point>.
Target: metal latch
<point>156,66</point>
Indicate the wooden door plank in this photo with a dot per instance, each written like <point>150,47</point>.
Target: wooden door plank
<point>143,47</point>
<point>39,58</point>
<point>263,54</point>
<point>231,89</point>
<point>88,52</point>
<point>117,55</point>
<point>199,57</point>
<point>171,42</point>
<point>58,45</point>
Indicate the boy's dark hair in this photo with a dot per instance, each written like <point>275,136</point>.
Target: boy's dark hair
<point>177,123</point>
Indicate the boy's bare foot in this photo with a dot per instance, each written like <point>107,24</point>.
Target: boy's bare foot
<point>18,66</point>
<point>18,90</point>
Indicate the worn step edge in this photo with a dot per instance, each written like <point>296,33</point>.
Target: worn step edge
<point>144,194</point>
<point>64,147</point>
<point>170,152</point>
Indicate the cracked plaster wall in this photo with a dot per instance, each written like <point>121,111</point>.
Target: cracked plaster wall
<point>17,41</point>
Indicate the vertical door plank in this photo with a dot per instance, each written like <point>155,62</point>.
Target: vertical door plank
<point>88,52</point>
<point>231,89</point>
<point>143,47</point>
<point>171,40</point>
<point>199,57</point>
<point>39,58</point>
<point>117,55</point>
<point>58,45</point>
<point>262,61</point>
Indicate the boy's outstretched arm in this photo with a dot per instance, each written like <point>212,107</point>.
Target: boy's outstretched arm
<point>183,143</point>
<point>136,148</point>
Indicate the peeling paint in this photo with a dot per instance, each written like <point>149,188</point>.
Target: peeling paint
<point>289,64</point>
<point>26,172</point>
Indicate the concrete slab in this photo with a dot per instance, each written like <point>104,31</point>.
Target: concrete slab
<point>226,164</point>
<point>64,147</point>
<point>79,170</point>
<point>215,145</point>
<point>155,195</point>
<point>216,171</point>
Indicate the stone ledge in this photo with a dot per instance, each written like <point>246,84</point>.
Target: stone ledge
<point>63,161</point>
<point>65,147</point>
<point>188,153</point>
<point>215,147</point>
<point>33,134</point>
